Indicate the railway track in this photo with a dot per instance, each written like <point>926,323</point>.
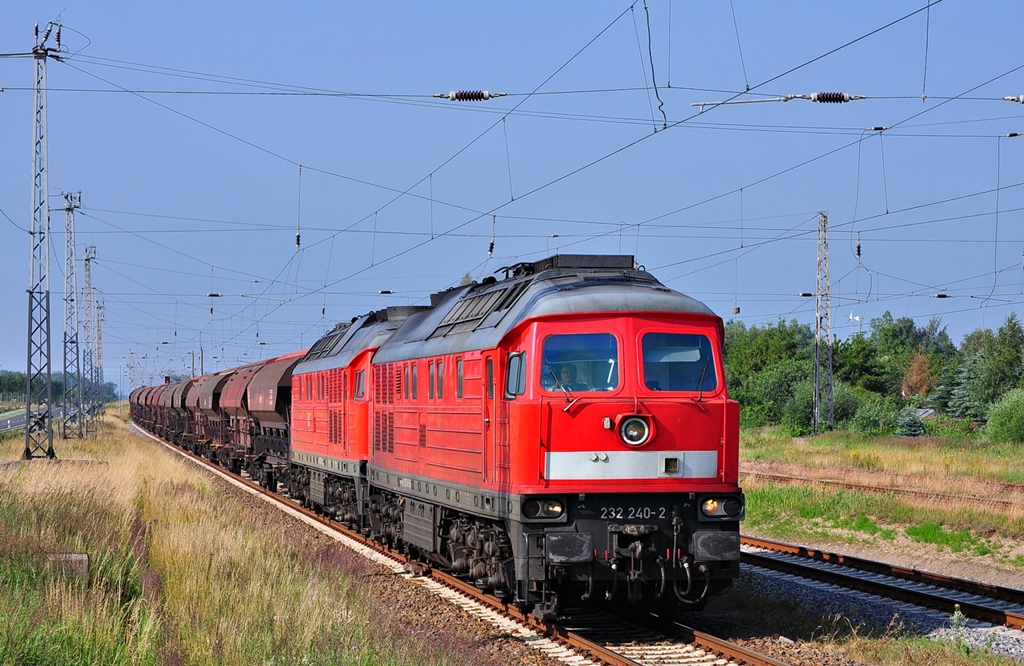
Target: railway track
<point>995,502</point>
<point>586,638</point>
<point>983,601</point>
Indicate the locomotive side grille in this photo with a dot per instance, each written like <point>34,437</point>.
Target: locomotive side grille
<point>389,386</point>
<point>423,435</point>
<point>334,386</point>
<point>377,416</point>
<point>377,384</point>
<point>391,432</point>
<point>337,426</point>
<point>398,382</point>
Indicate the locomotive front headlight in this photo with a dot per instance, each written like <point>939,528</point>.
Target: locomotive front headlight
<point>552,509</point>
<point>722,507</point>
<point>634,431</point>
<point>542,509</point>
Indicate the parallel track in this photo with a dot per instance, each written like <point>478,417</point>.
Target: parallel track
<point>983,601</point>
<point>598,645</point>
<point>995,502</point>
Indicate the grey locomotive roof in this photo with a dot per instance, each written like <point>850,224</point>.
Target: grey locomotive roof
<point>340,346</point>
<point>478,316</point>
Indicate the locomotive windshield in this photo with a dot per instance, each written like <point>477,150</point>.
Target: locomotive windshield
<point>580,362</point>
<point>678,362</point>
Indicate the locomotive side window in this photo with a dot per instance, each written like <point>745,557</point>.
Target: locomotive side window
<point>458,378</point>
<point>490,378</point>
<point>678,362</point>
<point>580,362</point>
<point>440,379</point>
<point>515,383</point>
<point>406,382</point>
<point>360,384</point>
<point>430,380</point>
<point>415,380</point>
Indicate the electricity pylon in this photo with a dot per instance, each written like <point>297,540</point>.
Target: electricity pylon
<point>38,379</point>
<point>72,424</point>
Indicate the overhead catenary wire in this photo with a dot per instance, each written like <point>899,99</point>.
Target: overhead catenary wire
<point>431,198</point>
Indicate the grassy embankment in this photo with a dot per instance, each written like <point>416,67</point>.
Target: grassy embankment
<point>964,468</point>
<point>181,572</point>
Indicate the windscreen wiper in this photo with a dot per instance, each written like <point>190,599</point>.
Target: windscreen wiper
<point>565,391</point>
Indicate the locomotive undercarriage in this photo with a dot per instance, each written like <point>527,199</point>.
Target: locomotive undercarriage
<point>670,560</point>
<point>473,548</point>
<point>341,498</point>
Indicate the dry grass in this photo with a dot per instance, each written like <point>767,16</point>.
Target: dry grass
<point>933,457</point>
<point>181,571</point>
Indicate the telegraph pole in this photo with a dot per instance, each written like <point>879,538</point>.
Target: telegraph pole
<point>38,379</point>
<point>72,425</point>
<point>823,333</point>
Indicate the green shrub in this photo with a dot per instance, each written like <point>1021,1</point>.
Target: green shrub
<point>766,393</point>
<point>798,414</point>
<point>1006,418</point>
<point>947,426</point>
<point>876,417</point>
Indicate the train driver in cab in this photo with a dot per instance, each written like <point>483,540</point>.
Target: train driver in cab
<point>568,377</point>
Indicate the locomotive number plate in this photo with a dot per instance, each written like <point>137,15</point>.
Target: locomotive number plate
<point>633,512</point>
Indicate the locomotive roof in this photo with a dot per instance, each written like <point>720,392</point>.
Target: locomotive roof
<point>346,340</point>
<point>478,316</point>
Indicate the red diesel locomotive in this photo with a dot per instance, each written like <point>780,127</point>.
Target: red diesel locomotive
<point>564,433</point>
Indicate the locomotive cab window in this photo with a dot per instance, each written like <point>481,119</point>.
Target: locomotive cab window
<point>360,387</point>
<point>678,362</point>
<point>580,362</point>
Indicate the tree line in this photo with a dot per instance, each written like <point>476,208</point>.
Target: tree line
<point>884,378</point>
<point>12,387</point>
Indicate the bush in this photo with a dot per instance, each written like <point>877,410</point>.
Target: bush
<point>947,426</point>
<point>876,416</point>
<point>765,395</point>
<point>1006,418</point>
<point>798,414</point>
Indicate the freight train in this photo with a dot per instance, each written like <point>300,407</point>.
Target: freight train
<point>558,435</point>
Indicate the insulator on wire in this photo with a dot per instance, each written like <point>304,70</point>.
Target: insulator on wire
<point>833,97</point>
<point>469,95</point>
<point>1019,99</point>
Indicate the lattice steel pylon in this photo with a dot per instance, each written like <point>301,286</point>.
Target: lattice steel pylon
<point>823,333</point>
<point>72,423</point>
<point>38,379</point>
<point>88,337</point>
<point>101,391</point>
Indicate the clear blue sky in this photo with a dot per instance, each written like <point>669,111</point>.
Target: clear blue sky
<point>190,179</point>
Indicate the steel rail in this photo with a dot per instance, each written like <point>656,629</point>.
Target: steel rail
<point>552,630</point>
<point>917,492</point>
<point>892,590</point>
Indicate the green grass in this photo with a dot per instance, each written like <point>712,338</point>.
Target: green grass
<point>791,512</point>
